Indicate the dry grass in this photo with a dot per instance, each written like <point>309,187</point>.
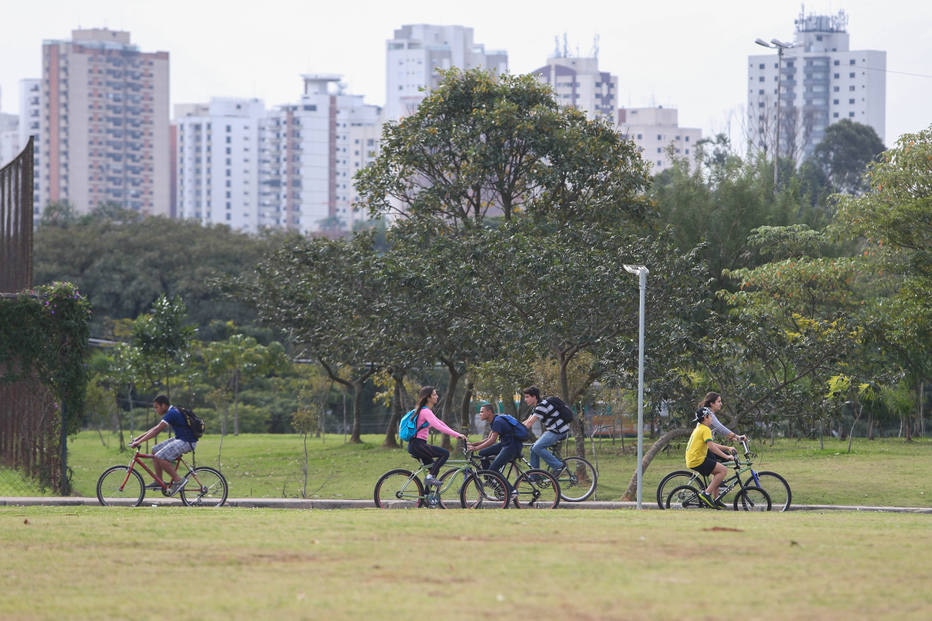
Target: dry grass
<point>118,563</point>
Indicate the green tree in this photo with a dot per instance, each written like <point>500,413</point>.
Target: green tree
<point>234,362</point>
<point>894,221</point>
<point>328,295</point>
<point>162,339</point>
<point>843,154</point>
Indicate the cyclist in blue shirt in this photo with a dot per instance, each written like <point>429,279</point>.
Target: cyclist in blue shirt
<point>166,452</point>
<point>503,441</point>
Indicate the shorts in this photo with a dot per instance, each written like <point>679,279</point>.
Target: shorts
<point>172,449</point>
<point>708,465</point>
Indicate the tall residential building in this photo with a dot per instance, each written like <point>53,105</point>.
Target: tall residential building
<point>656,132</point>
<point>310,151</point>
<point>9,137</point>
<point>415,54</point>
<point>104,128</point>
<point>217,156</point>
<point>820,80</point>
<point>577,82</point>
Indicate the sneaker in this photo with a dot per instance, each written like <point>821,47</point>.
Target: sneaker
<point>514,497</point>
<point>708,500</point>
<point>556,472</point>
<point>175,486</point>
<point>432,480</point>
<point>720,504</point>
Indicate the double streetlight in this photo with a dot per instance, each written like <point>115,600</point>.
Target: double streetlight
<point>641,272</point>
<point>779,46</point>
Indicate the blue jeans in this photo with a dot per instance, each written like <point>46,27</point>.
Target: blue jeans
<point>504,453</point>
<point>539,450</point>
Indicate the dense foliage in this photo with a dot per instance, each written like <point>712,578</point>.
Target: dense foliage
<point>510,222</point>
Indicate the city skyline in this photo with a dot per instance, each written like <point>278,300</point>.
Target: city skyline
<point>682,55</point>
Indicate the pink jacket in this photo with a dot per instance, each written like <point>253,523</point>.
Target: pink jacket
<point>436,423</point>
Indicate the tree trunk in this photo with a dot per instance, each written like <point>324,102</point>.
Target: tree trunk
<point>656,447</point>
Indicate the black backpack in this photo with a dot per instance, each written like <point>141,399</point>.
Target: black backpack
<point>566,412</point>
<point>198,427</point>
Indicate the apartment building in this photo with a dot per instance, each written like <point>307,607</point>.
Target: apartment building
<point>104,127</point>
<point>659,137</point>
<point>415,54</point>
<point>813,81</point>
<point>217,162</point>
<point>578,83</point>
<point>310,152</point>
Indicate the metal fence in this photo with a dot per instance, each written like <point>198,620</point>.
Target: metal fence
<point>30,455</point>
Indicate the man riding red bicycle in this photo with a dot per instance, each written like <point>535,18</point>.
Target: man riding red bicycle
<point>165,453</point>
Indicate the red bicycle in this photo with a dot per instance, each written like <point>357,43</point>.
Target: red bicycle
<point>123,485</point>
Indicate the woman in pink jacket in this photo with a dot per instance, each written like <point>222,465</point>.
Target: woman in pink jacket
<point>429,454</point>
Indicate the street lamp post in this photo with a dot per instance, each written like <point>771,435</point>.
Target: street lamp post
<point>779,46</point>
<point>642,273</point>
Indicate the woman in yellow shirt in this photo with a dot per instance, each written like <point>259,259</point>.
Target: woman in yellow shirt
<point>699,457</point>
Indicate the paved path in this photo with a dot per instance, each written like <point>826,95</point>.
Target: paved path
<point>319,503</point>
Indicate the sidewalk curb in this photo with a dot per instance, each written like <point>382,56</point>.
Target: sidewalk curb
<point>336,503</point>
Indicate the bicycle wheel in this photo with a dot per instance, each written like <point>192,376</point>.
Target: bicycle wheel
<point>398,489</point>
<point>453,479</point>
<point>776,487</point>
<point>578,479</point>
<point>676,479</point>
<point>206,487</point>
<point>752,499</point>
<point>683,497</point>
<point>537,489</point>
<point>484,489</point>
<point>119,485</point>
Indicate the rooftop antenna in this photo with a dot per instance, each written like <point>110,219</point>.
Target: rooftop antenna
<point>595,47</point>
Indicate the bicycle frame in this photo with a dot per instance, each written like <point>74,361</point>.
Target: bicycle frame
<point>137,460</point>
<point>407,486</point>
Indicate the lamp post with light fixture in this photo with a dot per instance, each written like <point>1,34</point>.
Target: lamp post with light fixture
<point>641,272</point>
<point>779,46</point>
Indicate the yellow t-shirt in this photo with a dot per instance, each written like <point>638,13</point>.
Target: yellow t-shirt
<point>697,449</point>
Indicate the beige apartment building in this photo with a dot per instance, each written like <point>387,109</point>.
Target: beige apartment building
<point>104,127</point>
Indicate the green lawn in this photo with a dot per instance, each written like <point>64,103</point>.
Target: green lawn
<point>91,562</point>
<point>888,472</point>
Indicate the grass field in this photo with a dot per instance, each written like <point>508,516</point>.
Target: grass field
<point>91,562</point>
<point>888,472</point>
<point>187,564</point>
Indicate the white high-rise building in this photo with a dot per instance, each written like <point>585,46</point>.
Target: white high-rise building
<point>310,152</point>
<point>217,157</point>
<point>9,137</point>
<point>578,83</point>
<point>821,81</point>
<point>415,54</point>
<point>656,132</point>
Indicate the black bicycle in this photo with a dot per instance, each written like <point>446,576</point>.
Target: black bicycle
<point>747,498</point>
<point>529,488</point>
<point>774,484</point>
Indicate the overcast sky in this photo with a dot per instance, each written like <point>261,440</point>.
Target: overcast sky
<point>682,54</point>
